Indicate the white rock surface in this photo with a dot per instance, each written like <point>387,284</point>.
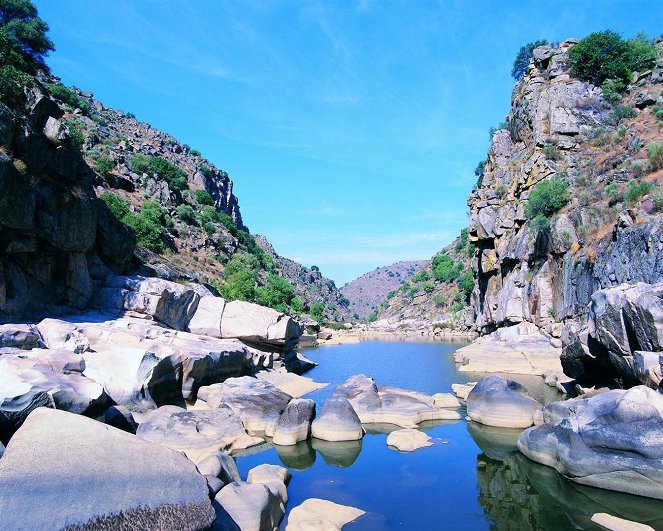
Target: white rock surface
<point>258,324</point>
<point>274,476</point>
<point>408,440</point>
<point>497,401</point>
<point>614,523</point>
<point>294,424</point>
<point>337,421</point>
<point>249,507</point>
<point>62,470</point>
<point>206,320</point>
<point>293,384</point>
<point>315,514</point>
<point>462,390</point>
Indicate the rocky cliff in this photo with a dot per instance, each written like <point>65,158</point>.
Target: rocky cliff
<point>609,231</point>
<point>367,292</point>
<point>61,151</point>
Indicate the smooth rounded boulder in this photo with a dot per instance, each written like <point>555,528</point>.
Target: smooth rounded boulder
<point>62,470</point>
<point>337,421</point>
<point>322,515</point>
<point>497,401</point>
<point>294,424</point>
<point>408,440</point>
<point>612,441</point>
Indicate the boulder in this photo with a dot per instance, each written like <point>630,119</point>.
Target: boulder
<point>197,433</point>
<point>297,363</point>
<point>21,336</point>
<point>337,421</point>
<point>59,334</point>
<point>29,382</point>
<point>219,465</point>
<point>249,507</point>
<point>66,471</point>
<point>294,424</point>
<point>497,401</point>
<point>168,302</point>
<point>256,402</point>
<point>274,476</point>
<point>206,320</point>
<point>408,440</point>
<point>292,384</point>
<point>258,324</point>
<point>390,405</point>
<point>614,523</point>
<point>611,440</point>
<point>462,390</point>
<point>321,515</point>
<point>121,418</point>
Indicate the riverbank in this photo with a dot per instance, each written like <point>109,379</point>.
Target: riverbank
<point>355,335</point>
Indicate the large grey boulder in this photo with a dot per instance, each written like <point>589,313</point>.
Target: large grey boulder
<point>249,507</point>
<point>257,402</point>
<point>338,421</point>
<point>497,401</point>
<point>612,440</point>
<point>294,424</point>
<point>391,405</point>
<point>66,471</point>
<point>22,336</point>
<point>258,324</point>
<point>41,378</point>
<point>197,433</point>
<point>58,334</point>
<point>206,320</point>
<point>168,302</point>
<point>622,321</point>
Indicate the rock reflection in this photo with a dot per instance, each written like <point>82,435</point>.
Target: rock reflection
<point>516,493</point>
<point>300,456</point>
<point>341,454</point>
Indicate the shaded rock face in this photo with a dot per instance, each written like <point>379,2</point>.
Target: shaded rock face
<point>548,276</point>
<point>622,340</point>
<point>611,441</point>
<point>54,229</point>
<point>62,470</point>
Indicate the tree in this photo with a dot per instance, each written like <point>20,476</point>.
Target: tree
<point>522,59</point>
<point>277,293</point>
<point>546,198</point>
<point>316,311</point>
<point>23,40</point>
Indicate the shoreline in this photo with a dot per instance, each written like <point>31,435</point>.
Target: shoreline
<point>340,337</point>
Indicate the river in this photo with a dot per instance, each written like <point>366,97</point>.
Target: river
<point>471,478</point>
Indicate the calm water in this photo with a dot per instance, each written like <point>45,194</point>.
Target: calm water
<point>472,478</point>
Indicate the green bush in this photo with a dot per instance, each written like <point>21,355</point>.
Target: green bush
<point>522,59</point>
<point>76,136</point>
<point>104,166</point>
<point>657,198</point>
<point>392,294</point>
<point>203,197</point>
<point>186,213</point>
<point>456,307</point>
<point>540,223</point>
<point>169,172</point>
<point>316,311</point>
<point>619,113</point>
<point>462,241</point>
<point>420,276</point>
<point>210,228</point>
<point>140,163</point>
<point>637,190</point>
<point>612,191</point>
<point>240,286</point>
<point>148,225</point>
<point>68,96</point>
<point>428,287</point>
<point>546,198</point>
<point>13,83</point>
<point>605,55</point>
<point>277,293</point>
<point>480,171</point>
<point>206,171</point>
<point>552,152</point>
<point>195,152</point>
<point>655,155</point>
<point>444,268</point>
<point>438,300</point>
<point>118,206</point>
<point>466,283</point>
<point>613,89</point>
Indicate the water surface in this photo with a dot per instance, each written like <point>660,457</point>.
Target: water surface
<point>472,478</point>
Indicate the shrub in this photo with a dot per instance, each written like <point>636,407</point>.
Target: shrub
<point>12,85</point>
<point>605,55</point>
<point>456,307</point>
<point>657,198</point>
<point>619,113</point>
<point>438,300</point>
<point>420,276</point>
<point>277,293</point>
<point>499,127</point>
<point>104,166</point>
<point>117,205</point>
<point>76,136</point>
<point>203,197</point>
<point>522,59</point>
<point>546,198</point>
<point>636,191</point>
<point>169,172</point>
<point>210,228</point>
<point>392,294</point>
<point>186,213</point>
<point>658,112</point>
<point>195,152</point>
<point>552,152</point>
<point>130,115</point>
<point>480,171</point>
<point>462,241</point>
<point>599,136</point>
<point>540,223</point>
<point>428,287</point>
<point>206,171</point>
<point>655,155</point>
<point>240,286</point>
<point>612,191</point>
<point>299,306</point>
<point>140,163</point>
<point>68,96</point>
<point>466,283</point>
<point>148,225</point>
<point>444,268</point>
<point>613,90</point>
<point>316,311</point>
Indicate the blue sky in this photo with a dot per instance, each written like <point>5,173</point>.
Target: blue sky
<point>351,129</point>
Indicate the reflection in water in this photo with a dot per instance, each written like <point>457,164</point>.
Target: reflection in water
<point>341,454</point>
<point>516,493</point>
<point>300,456</point>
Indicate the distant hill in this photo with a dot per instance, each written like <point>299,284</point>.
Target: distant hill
<point>367,292</point>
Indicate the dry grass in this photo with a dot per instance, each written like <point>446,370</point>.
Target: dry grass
<point>20,165</point>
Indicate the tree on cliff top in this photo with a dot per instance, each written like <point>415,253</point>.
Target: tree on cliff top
<point>524,55</point>
<point>23,40</point>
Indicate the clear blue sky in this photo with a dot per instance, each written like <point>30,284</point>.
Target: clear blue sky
<point>350,128</point>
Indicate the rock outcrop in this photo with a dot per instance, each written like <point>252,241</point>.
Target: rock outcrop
<point>611,441</point>
<point>66,471</point>
<point>496,401</point>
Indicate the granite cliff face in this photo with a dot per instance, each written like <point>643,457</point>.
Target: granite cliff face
<point>563,128</point>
